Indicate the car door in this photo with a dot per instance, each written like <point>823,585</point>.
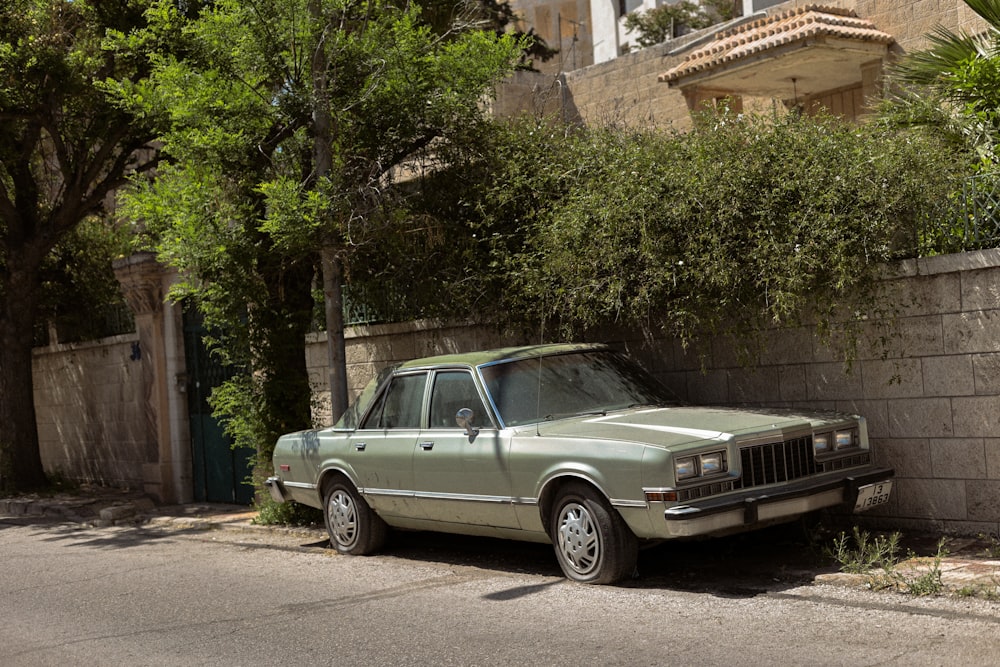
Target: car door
<point>457,478</point>
<point>383,446</point>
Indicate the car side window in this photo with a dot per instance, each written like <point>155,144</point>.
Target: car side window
<point>401,404</point>
<point>453,390</point>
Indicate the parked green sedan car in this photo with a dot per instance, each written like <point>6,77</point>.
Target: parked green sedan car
<point>570,444</point>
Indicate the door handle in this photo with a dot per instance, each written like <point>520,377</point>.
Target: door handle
<point>360,446</point>
<point>426,446</point>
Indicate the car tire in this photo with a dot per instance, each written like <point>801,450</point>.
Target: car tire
<point>353,526</point>
<point>592,542</point>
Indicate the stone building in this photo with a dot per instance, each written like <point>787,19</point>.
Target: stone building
<point>774,56</point>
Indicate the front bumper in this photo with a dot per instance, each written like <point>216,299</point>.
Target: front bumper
<point>276,488</point>
<point>771,504</point>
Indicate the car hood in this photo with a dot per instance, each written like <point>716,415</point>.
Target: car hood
<point>681,425</point>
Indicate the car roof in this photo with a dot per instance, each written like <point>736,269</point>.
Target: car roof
<point>501,354</point>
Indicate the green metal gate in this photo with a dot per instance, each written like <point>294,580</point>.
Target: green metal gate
<point>220,473</point>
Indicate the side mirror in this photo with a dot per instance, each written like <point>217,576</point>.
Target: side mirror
<point>464,418</point>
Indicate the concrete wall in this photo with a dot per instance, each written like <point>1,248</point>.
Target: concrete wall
<point>91,416</point>
<point>931,398</point>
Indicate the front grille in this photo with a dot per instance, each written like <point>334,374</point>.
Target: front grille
<point>864,458</point>
<point>776,462</point>
<point>704,491</point>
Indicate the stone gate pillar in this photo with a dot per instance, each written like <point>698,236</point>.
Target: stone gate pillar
<point>167,472</point>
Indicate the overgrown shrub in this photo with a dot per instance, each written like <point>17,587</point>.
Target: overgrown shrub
<point>270,513</point>
<point>744,223</point>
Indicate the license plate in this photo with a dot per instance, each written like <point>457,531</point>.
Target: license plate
<point>873,495</point>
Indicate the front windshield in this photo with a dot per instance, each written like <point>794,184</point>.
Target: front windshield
<point>564,385</point>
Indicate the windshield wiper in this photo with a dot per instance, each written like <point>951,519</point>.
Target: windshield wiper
<point>566,415</point>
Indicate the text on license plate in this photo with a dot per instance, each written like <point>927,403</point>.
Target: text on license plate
<point>873,495</point>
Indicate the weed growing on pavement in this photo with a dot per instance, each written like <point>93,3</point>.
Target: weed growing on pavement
<point>59,482</point>
<point>929,582</point>
<point>271,513</point>
<point>861,553</point>
<point>989,592</point>
<point>878,558</point>
<point>992,549</point>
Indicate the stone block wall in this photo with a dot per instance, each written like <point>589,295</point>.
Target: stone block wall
<point>931,396</point>
<point>621,91</point>
<point>91,418</point>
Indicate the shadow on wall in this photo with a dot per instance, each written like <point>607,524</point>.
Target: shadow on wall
<point>91,411</point>
<point>540,95</point>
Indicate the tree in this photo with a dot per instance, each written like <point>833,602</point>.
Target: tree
<point>65,147</point>
<point>961,73</point>
<point>674,19</point>
<point>291,124</point>
<point>81,299</point>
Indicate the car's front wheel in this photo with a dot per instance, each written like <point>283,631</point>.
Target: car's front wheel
<point>353,526</point>
<point>592,542</point>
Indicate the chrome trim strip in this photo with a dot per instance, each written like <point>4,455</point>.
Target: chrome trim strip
<point>618,502</point>
<point>464,497</point>
<point>300,485</point>
<point>385,492</point>
<point>472,498</point>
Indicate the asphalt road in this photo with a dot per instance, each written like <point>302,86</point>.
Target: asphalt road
<point>124,596</point>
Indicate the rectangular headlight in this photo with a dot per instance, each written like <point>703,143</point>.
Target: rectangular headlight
<point>713,463</point>
<point>686,468</point>
<point>846,438</point>
<point>822,443</point>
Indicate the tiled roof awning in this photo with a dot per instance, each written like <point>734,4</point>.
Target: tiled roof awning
<point>821,48</point>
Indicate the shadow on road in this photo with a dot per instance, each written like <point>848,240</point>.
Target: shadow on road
<point>739,566</point>
<point>80,535</point>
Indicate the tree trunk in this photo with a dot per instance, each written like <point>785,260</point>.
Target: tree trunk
<point>335,345</point>
<point>20,459</point>
<point>332,269</point>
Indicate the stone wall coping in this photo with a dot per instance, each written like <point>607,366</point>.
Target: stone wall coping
<point>952,263</point>
<point>390,329</point>
<point>135,259</point>
<point>61,348</point>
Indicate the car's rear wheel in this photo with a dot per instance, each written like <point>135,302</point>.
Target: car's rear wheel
<point>353,526</point>
<point>592,542</point>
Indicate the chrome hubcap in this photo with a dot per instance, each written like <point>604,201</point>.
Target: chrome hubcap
<point>579,543</point>
<point>343,518</point>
